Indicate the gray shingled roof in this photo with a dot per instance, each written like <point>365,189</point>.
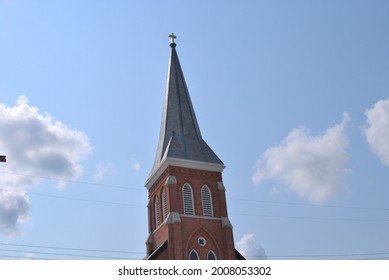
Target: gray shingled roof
<point>180,135</point>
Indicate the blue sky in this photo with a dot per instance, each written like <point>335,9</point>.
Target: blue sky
<point>293,96</point>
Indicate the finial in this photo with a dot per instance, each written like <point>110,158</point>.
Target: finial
<point>172,37</point>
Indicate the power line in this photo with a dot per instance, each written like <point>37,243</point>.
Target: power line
<point>237,199</point>
<point>141,189</point>
<point>68,254</point>
<point>310,218</point>
<point>20,257</point>
<point>385,255</point>
<point>309,205</point>
<point>232,214</point>
<point>74,181</point>
<point>72,198</point>
<point>71,248</point>
<point>62,254</point>
<point>87,200</point>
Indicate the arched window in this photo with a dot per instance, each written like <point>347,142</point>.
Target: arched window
<point>193,255</point>
<point>156,211</point>
<point>206,198</point>
<point>211,256</point>
<point>164,204</point>
<point>187,195</point>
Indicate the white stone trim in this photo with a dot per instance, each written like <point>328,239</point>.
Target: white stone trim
<point>185,163</point>
<point>220,186</point>
<point>226,223</point>
<point>150,238</point>
<point>171,180</point>
<point>200,217</point>
<point>172,218</point>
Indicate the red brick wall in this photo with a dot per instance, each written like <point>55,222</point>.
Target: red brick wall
<point>183,236</point>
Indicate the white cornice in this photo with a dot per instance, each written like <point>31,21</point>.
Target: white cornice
<point>202,217</point>
<point>185,163</point>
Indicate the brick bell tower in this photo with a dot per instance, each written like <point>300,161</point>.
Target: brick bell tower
<point>187,207</point>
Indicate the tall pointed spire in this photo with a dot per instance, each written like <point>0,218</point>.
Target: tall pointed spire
<point>187,209</point>
<point>180,136</point>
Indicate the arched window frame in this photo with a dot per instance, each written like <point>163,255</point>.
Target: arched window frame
<point>187,200</point>
<point>156,212</point>
<point>213,254</point>
<point>164,204</point>
<point>193,255</point>
<point>206,199</point>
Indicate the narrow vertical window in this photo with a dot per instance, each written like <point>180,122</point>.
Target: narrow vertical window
<point>164,205</point>
<point>206,198</point>
<point>193,255</point>
<point>211,256</point>
<point>156,212</point>
<point>187,195</point>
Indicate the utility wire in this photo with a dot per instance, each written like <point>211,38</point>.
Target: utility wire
<point>62,254</point>
<point>87,200</point>
<point>385,255</point>
<point>369,255</point>
<point>74,181</point>
<point>71,198</point>
<point>309,205</point>
<point>310,218</point>
<point>232,214</point>
<point>141,189</point>
<point>21,257</point>
<point>71,248</point>
<point>236,199</point>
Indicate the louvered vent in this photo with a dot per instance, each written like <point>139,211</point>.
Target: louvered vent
<point>187,195</point>
<point>164,204</point>
<point>207,201</point>
<point>156,209</point>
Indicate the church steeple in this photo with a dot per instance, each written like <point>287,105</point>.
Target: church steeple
<point>180,137</point>
<point>187,209</point>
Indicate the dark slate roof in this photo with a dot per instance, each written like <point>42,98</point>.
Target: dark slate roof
<point>180,135</point>
<point>155,254</point>
<point>239,256</point>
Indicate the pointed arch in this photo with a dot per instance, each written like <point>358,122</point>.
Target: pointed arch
<point>212,243</point>
<point>187,197</point>
<point>156,211</point>
<point>193,255</point>
<point>164,204</point>
<point>211,255</point>
<point>206,199</point>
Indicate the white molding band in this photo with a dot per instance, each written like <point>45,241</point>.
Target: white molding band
<point>172,218</point>
<point>171,180</point>
<point>185,163</point>
<point>220,186</point>
<point>226,223</point>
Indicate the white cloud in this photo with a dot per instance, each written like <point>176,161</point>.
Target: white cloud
<point>248,247</point>
<point>103,170</point>
<point>37,146</point>
<point>135,164</point>
<point>311,166</point>
<point>14,207</point>
<point>377,132</point>
<point>28,256</point>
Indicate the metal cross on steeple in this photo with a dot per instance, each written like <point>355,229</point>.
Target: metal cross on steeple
<point>172,37</point>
